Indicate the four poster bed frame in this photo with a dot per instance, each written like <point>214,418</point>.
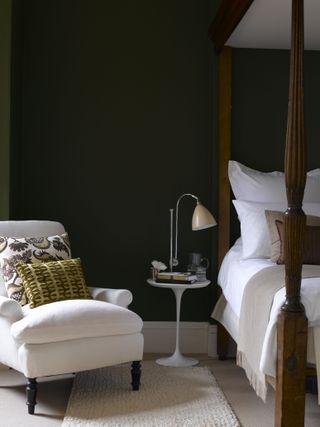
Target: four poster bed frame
<point>292,325</point>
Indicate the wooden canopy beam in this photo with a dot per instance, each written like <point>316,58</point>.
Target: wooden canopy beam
<point>227,18</point>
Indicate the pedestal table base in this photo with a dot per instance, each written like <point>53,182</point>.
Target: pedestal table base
<point>178,360</point>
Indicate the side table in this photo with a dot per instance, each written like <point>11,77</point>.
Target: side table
<point>177,359</point>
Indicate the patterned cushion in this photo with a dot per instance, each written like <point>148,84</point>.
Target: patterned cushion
<point>53,281</point>
<point>28,250</point>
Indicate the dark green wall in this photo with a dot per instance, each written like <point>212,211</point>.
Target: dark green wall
<point>5,105</point>
<point>260,85</point>
<point>115,111</point>
<point>260,103</point>
<point>113,117</point>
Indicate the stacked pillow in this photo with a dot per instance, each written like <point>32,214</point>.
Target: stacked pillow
<point>255,186</point>
<point>257,192</point>
<point>40,270</point>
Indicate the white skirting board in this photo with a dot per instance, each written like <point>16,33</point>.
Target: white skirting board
<point>195,337</point>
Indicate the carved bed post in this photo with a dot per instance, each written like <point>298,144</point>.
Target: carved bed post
<point>292,322</point>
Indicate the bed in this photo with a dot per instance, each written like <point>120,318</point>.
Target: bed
<point>291,322</point>
<point>260,200</point>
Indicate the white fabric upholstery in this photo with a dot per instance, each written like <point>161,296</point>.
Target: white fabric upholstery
<point>121,297</point>
<point>74,319</point>
<point>9,348</point>
<point>10,309</point>
<point>3,291</point>
<point>34,228</point>
<point>66,336</point>
<point>37,360</point>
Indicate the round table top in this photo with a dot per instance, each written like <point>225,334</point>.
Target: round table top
<point>179,285</point>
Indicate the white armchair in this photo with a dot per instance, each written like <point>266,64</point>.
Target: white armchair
<point>66,336</point>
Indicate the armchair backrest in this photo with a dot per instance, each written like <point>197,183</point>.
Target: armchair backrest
<point>29,228</point>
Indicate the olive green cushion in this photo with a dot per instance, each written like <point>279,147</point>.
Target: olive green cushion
<point>53,281</point>
<point>28,250</point>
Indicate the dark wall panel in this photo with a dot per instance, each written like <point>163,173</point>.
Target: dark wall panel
<point>116,123</point>
<point>259,110</point>
<point>260,103</point>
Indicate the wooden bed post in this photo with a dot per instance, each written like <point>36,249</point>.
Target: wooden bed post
<point>224,150</point>
<point>292,323</point>
<point>228,16</point>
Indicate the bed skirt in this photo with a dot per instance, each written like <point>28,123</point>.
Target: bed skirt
<point>224,314</point>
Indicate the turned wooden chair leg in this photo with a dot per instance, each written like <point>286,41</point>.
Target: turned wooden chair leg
<point>31,394</point>
<point>135,375</point>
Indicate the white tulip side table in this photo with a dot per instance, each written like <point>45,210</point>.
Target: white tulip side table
<point>177,359</point>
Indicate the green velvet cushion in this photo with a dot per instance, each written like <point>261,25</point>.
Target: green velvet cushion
<point>53,281</point>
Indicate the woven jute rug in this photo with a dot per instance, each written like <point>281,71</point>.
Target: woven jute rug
<point>168,397</point>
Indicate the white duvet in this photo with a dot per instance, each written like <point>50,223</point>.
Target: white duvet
<point>233,277</point>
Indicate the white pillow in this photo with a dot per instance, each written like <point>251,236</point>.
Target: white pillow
<point>255,186</point>
<point>254,228</point>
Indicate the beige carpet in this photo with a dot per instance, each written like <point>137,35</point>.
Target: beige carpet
<point>168,397</point>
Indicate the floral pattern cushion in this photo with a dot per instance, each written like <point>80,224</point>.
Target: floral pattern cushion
<point>28,250</point>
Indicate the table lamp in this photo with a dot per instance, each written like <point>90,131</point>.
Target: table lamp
<point>201,219</point>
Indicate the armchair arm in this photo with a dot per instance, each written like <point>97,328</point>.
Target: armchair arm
<point>122,297</point>
<point>10,309</point>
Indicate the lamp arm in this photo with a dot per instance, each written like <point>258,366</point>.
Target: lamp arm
<point>175,259</point>
<point>171,240</point>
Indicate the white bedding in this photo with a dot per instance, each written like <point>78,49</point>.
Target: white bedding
<point>235,273</point>
<point>233,276</point>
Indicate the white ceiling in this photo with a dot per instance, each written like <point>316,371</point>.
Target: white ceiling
<point>267,23</point>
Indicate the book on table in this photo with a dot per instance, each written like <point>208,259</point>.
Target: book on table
<point>176,277</point>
